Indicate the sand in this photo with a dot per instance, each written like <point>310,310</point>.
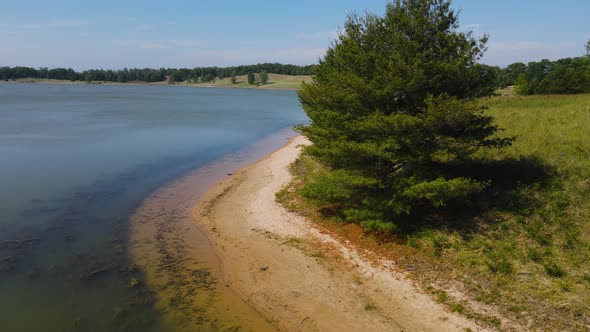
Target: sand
<point>178,263</point>
<point>298,278</point>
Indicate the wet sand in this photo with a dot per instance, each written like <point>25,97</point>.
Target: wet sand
<point>180,264</point>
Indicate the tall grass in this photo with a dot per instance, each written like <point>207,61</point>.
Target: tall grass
<point>538,255</point>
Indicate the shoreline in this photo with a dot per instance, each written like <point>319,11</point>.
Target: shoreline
<point>161,84</point>
<point>175,257</point>
<point>297,277</point>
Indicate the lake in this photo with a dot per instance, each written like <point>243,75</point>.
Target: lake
<point>76,161</point>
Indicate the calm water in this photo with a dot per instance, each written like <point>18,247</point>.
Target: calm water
<point>75,161</point>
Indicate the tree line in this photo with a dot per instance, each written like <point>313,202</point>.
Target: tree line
<point>197,74</point>
<point>564,76</point>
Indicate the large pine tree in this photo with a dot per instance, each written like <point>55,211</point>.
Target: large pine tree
<point>391,102</point>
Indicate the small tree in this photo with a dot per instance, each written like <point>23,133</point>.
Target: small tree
<point>234,78</point>
<point>263,77</point>
<point>588,48</point>
<point>171,79</point>
<point>251,78</point>
<point>207,78</point>
<point>522,86</point>
<point>392,107</point>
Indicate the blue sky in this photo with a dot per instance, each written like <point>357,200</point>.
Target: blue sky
<point>85,34</point>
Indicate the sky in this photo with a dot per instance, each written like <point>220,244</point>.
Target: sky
<point>84,34</point>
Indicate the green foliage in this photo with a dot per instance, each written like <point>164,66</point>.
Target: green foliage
<point>234,79</point>
<point>523,246</point>
<point>534,242</point>
<point>263,77</point>
<point>251,78</point>
<point>150,74</point>
<point>564,76</point>
<point>524,87</point>
<point>207,78</point>
<point>439,191</point>
<point>392,103</point>
<point>509,75</point>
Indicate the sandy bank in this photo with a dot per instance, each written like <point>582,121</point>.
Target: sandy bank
<point>297,277</point>
<point>178,263</point>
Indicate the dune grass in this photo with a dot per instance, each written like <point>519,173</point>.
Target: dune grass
<point>522,246</point>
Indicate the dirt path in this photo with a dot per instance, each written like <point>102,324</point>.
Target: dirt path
<point>299,278</point>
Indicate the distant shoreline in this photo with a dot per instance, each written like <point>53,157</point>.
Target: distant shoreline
<point>281,84</point>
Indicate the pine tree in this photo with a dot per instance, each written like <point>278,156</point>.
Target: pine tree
<point>391,103</point>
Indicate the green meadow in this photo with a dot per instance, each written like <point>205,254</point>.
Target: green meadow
<point>531,245</point>
<point>523,245</point>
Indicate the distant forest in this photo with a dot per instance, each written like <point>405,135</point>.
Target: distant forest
<point>198,74</point>
<point>564,76</point>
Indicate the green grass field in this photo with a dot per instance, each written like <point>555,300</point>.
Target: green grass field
<point>529,250</point>
<point>523,246</point>
<point>534,244</point>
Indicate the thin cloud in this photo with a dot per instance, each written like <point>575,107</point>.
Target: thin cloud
<point>187,43</point>
<point>247,55</point>
<point>57,24</point>
<point>120,19</point>
<point>145,27</point>
<point>320,35</point>
<point>151,45</point>
<point>531,46</point>
<point>157,44</point>
<point>9,32</point>
<point>121,42</point>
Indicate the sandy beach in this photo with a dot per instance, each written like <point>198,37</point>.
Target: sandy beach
<point>297,277</point>
<point>178,262</point>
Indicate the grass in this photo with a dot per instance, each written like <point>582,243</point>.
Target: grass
<point>536,253</point>
<point>525,246</point>
<point>276,81</point>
